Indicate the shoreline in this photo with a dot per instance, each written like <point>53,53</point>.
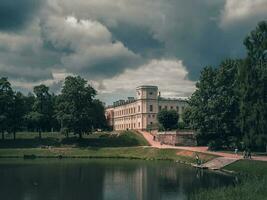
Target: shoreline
<point>132,153</point>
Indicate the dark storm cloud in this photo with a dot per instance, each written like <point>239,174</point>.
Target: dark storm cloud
<point>102,39</point>
<point>137,38</point>
<point>15,14</point>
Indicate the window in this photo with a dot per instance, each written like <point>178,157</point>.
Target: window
<point>151,93</point>
<point>138,124</point>
<point>138,108</point>
<point>148,116</point>
<point>171,107</point>
<point>159,108</point>
<point>153,116</point>
<point>151,108</point>
<point>151,123</point>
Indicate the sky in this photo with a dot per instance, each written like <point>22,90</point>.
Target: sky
<point>121,44</point>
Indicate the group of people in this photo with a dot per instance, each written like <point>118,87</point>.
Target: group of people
<point>246,153</point>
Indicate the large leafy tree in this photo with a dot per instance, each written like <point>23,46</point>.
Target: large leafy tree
<point>6,99</point>
<point>168,119</point>
<point>99,119</point>
<point>75,107</point>
<point>253,87</point>
<point>17,112</point>
<point>42,113</point>
<point>201,103</point>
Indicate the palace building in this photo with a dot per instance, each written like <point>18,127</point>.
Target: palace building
<point>141,112</point>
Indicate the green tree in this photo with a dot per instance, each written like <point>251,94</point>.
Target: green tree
<point>99,119</point>
<point>214,107</point>
<point>42,109</point>
<point>17,113</point>
<point>186,116</point>
<point>168,119</point>
<point>253,87</point>
<point>6,98</point>
<point>75,108</point>
<point>203,117</point>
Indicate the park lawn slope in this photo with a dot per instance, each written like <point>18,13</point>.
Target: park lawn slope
<point>253,176</point>
<point>146,153</point>
<point>105,139</point>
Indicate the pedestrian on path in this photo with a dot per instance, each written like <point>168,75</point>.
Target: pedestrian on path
<point>249,153</point>
<point>245,154</point>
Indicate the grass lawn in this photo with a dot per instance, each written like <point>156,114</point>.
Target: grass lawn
<point>253,176</point>
<point>146,153</point>
<point>105,139</point>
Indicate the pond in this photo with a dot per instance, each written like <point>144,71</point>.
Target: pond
<point>107,179</point>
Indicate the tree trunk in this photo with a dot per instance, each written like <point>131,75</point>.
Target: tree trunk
<point>40,134</point>
<point>14,135</point>
<point>3,135</point>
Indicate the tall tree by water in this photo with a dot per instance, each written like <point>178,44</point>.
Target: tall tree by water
<point>18,110</point>
<point>253,86</point>
<point>76,105</point>
<point>42,113</point>
<point>6,97</point>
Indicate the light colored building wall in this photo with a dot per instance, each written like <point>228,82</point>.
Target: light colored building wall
<point>142,111</point>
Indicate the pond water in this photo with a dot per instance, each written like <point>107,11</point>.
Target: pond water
<point>107,179</point>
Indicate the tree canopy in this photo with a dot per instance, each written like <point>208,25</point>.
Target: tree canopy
<point>229,106</point>
<point>168,119</point>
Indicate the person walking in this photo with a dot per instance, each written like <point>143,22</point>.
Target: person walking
<point>245,154</point>
<point>249,153</point>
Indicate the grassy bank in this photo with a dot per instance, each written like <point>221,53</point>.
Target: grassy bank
<point>146,153</point>
<point>105,139</point>
<point>252,186</point>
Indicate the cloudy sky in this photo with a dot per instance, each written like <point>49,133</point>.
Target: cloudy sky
<point>120,44</point>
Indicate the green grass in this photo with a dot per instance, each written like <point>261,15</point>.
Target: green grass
<point>248,189</point>
<point>31,140</point>
<point>253,177</point>
<point>146,153</point>
<point>249,168</point>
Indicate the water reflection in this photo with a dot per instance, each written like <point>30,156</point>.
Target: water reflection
<point>102,179</point>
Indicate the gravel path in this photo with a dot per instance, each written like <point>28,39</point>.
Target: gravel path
<point>156,144</point>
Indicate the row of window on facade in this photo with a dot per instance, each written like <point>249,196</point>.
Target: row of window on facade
<point>171,108</point>
<point>133,110</point>
<point>129,126</point>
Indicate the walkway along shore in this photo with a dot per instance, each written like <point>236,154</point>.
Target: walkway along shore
<point>216,163</point>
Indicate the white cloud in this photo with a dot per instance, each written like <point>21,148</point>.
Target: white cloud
<point>242,10</point>
<point>90,44</point>
<point>169,75</point>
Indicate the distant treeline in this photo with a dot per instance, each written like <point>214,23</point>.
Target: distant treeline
<point>229,107</point>
<point>75,109</point>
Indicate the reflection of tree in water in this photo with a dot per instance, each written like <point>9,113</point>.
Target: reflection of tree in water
<point>52,181</point>
<point>104,179</point>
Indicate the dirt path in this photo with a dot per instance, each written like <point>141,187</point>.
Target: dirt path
<point>156,144</point>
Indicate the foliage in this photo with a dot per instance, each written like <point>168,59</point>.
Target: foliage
<point>75,109</point>
<point>6,98</point>
<point>229,106</point>
<point>168,119</point>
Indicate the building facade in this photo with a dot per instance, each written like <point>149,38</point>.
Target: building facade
<point>141,112</point>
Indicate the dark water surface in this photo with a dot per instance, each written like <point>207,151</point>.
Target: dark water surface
<point>107,179</point>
